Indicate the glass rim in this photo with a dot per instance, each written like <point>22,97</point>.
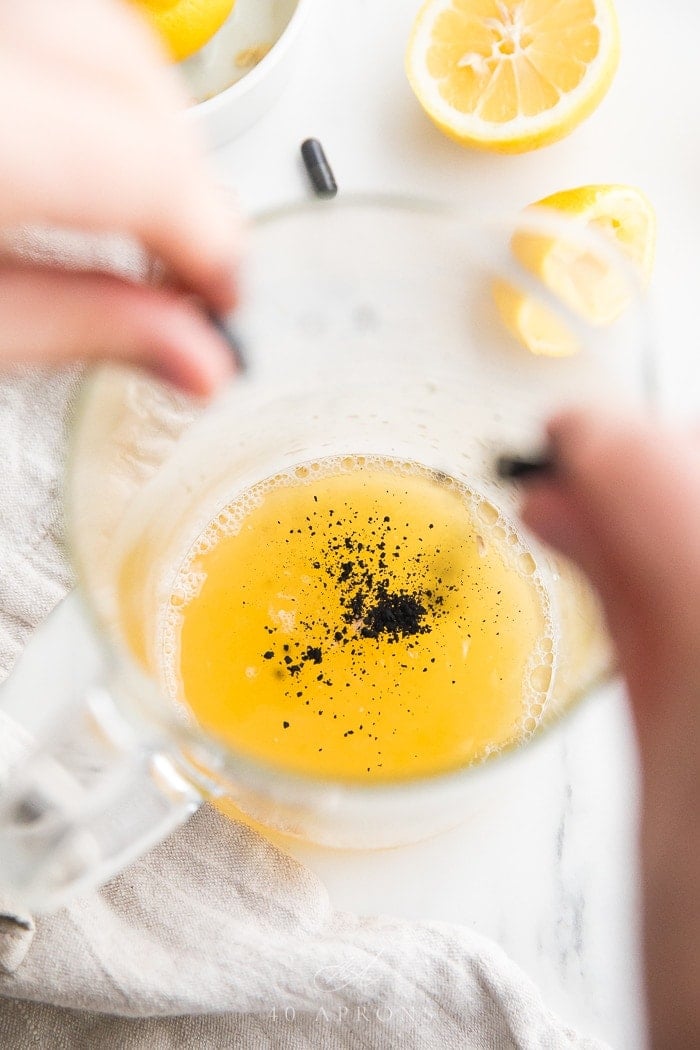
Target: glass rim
<point>227,763</point>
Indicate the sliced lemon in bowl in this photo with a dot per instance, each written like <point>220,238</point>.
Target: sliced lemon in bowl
<point>185,26</point>
<point>584,280</point>
<point>512,75</point>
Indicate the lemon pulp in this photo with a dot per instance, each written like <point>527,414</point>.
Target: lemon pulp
<point>512,75</point>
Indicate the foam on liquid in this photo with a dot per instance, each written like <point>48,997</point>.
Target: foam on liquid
<point>266,577</point>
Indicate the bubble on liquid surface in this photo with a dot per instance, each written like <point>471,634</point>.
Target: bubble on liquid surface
<point>487,512</point>
<point>527,564</point>
<point>187,586</point>
<point>541,678</point>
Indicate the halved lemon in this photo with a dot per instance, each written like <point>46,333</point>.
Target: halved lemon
<point>584,280</point>
<point>185,25</point>
<point>512,75</point>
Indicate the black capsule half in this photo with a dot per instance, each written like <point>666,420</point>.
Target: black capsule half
<point>230,337</point>
<point>516,468</point>
<point>320,171</point>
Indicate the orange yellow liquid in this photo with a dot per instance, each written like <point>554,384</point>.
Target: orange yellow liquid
<point>361,619</point>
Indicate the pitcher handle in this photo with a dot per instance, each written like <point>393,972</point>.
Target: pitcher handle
<point>85,796</point>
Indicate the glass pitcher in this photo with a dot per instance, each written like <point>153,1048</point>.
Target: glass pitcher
<point>372,327</point>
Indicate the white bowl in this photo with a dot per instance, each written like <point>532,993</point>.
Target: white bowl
<point>231,95</point>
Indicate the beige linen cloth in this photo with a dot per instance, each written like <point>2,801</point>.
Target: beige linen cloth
<point>215,939</point>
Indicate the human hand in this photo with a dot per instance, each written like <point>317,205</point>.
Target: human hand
<point>624,503</point>
<point>94,140</point>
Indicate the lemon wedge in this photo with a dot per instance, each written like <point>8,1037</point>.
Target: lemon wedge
<point>185,25</point>
<point>512,75</point>
<point>586,282</point>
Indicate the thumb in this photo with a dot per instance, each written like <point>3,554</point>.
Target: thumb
<point>52,317</point>
<point>624,503</point>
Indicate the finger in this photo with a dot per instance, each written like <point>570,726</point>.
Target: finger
<point>202,249</point>
<point>89,42</point>
<point>549,512</point>
<point>52,318</point>
<point>636,489</point>
<point>624,504</point>
<point>131,174</point>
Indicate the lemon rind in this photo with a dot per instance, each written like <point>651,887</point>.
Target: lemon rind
<point>523,132</point>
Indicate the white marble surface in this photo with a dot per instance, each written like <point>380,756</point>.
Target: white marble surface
<point>550,871</point>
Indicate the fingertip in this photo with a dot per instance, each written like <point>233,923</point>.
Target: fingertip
<point>219,231</point>
<point>169,335</point>
<point>200,251</point>
<point>546,512</point>
<point>594,448</point>
<point>568,434</point>
<point>186,349</point>
<point>565,423</point>
<point>556,520</point>
<point>222,288</point>
<point>199,379</point>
